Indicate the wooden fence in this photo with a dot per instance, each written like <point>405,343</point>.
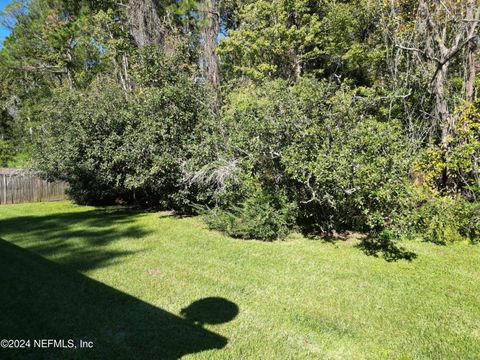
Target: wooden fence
<point>18,186</point>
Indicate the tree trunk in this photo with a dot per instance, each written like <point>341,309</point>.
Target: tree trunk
<point>471,49</point>
<point>442,114</point>
<point>441,105</point>
<point>210,31</point>
<point>145,19</point>
<point>471,72</point>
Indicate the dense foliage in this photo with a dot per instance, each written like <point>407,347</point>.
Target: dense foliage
<point>113,146</point>
<point>322,117</point>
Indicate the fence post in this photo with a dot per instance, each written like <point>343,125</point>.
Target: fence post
<point>4,180</point>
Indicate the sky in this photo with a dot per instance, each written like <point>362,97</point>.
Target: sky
<point>3,32</point>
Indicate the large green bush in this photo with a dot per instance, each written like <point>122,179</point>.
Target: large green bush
<point>355,176</point>
<point>112,145</point>
<point>447,219</point>
<point>319,145</point>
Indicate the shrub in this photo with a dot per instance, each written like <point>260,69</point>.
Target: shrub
<point>320,145</point>
<point>446,219</point>
<point>6,152</point>
<point>355,176</point>
<point>455,170</point>
<point>112,145</point>
<point>262,216</point>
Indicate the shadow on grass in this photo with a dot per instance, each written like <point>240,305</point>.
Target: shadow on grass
<point>174,215</point>
<point>40,299</point>
<point>379,245</point>
<point>79,239</point>
<point>331,237</point>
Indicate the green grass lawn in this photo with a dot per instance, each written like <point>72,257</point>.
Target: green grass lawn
<point>121,279</point>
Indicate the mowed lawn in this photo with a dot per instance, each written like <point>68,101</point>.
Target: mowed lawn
<point>120,279</point>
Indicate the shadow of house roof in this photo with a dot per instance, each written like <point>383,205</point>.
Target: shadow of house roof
<point>45,300</point>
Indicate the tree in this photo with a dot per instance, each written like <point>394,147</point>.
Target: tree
<point>327,114</point>
<point>443,31</point>
<point>433,68</point>
<point>210,30</point>
<point>289,39</point>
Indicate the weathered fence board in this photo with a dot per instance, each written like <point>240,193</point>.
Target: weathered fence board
<point>21,187</point>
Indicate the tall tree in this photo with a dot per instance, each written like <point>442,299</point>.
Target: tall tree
<point>147,23</point>
<point>210,30</point>
<point>471,49</point>
<point>288,39</point>
<point>443,32</point>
